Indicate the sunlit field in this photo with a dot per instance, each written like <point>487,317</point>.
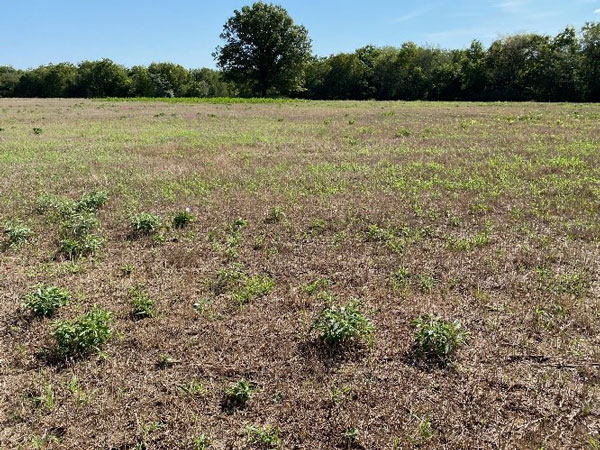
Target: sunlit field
<point>299,275</point>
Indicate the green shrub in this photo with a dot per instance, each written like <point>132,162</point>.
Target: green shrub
<point>202,442</point>
<point>75,236</point>
<point>17,233</point>
<point>263,437</point>
<point>37,131</point>
<point>182,218</point>
<point>45,300</point>
<point>91,201</point>
<point>145,223</point>
<point>436,338</point>
<point>340,324</point>
<point>86,334</point>
<point>143,305</point>
<point>238,394</point>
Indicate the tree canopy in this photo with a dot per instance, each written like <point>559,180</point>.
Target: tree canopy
<point>264,50</point>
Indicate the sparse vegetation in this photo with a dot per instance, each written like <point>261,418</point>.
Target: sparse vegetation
<point>486,212</point>
<point>263,437</point>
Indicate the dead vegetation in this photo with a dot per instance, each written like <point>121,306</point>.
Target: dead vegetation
<point>303,275</point>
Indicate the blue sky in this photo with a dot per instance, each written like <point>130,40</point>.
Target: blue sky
<point>133,32</point>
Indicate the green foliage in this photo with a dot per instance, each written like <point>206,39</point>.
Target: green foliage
<point>76,237</point>
<point>17,233</point>
<point>340,324</point>
<point>142,304</point>
<point>182,218</point>
<point>37,131</point>
<point>275,215</point>
<point>86,334</point>
<point>91,201</point>
<point>145,223</point>
<point>45,300</point>
<point>238,394</point>
<point>202,442</point>
<point>264,50</point>
<point>253,287</point>
<point>263,437</point>
<point>436,338</point>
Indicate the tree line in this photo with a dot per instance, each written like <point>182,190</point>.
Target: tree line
<point>278,62</point>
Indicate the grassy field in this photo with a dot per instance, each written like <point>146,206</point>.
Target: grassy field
<point>230,331</point>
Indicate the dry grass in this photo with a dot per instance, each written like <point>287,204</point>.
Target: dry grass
<point>487,214</point>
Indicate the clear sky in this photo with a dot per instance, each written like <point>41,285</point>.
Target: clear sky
<point>133,32</point>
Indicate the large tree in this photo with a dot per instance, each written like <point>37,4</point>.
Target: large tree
<point>264,50</point>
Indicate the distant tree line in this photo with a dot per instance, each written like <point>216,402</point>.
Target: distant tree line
<point>565,67</point>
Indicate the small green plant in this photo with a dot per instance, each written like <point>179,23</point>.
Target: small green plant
<point>127,269</point>
<point>400,278</point>
<point>436,338</point>
<point>253,287</point>
<point>45,300</point>
<point>192,388</point>
<point>238,394</point>
<point>17,233</point>
<point>351,435</point>
<point>202,442</point>
<point>263,437</point>
<point>86,334</point>
<point>76,236</point>
<point>182,218</point>
<point>275,215</point>
<point>425,431</point>
<point>91,201</point>
<point>47,397</point>
<point>403,133</point>
<point>314,287</point>
<point>37,131</point>
<point>340,324</point>
<point>143,305</point>
<point>145,224</point>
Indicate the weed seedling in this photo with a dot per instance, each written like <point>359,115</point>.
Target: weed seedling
<point>238,394</point>
<point>182,218</point>
<point>263,437</point>
<point>143,305</point>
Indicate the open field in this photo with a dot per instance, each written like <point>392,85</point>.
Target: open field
<point>482,213</point>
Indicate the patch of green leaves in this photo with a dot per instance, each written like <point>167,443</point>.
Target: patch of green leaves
<point>340,324</point>
<point>437,339</point>
<point>45,300</point>
<point>84,335</point>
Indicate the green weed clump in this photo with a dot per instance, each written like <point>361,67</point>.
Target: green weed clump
<point>437,339</point>
<point>340,324</point>
<point>238,394</point>
<point>45,300</point>
<point>143,305</point>
<point>76,237</point>
<point>145,224</point>
<point>86,334</point>
<point>17,233</point>
<point>263,437</point>
<point>182,219</point>
<point>253,287</point>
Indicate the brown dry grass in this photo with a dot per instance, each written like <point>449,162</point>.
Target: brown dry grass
<point>495,212</point>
